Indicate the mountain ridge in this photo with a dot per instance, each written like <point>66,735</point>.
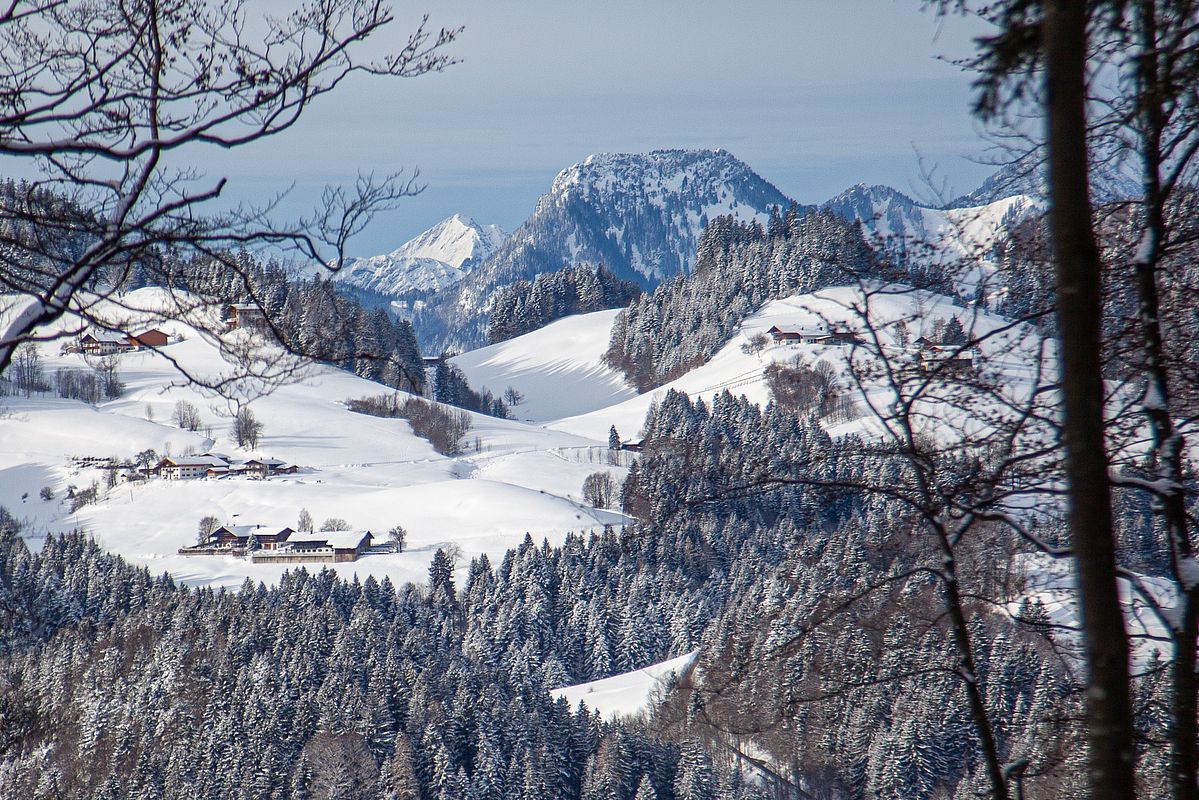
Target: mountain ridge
<point>431,261</point>
<point>638,214</point>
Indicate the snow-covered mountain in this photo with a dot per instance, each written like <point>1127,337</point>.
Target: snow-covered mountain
<point>638,214</point>
<point>641,214</point>
<point>1026,176</point>
<point>895,222</point>
<point>434,260</point>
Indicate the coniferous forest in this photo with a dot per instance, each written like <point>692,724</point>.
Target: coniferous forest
<point>906,491</point>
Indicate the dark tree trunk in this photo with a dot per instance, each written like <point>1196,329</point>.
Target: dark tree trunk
<point>1168,444</point>
<point>1076,255</point>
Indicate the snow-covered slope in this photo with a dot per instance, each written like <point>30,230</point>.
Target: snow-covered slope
<point>559,369</point>
<point>375,473</point>
<point>741,371</point>
<point>640,215</point>
<point>437,258</point>
<point>629,693</point>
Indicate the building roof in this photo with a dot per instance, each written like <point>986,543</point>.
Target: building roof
<point>339,540</point>
<point>106,336</point>
<point>266,462</point>
<point>194,461</point>
<point>245,531</point>
<point>244,307</point>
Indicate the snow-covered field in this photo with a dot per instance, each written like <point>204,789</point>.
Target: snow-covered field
<point>742,373</point>
<point>374,473</point>
<point>629,693</point>
<point>559,369</point>
<point>516,476</point>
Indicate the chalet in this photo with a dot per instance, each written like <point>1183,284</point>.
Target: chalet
<point>262,467</point>
<point>322,546</point>
<point>949,359</point>
<point>813,335</point>
<point>150,338</point>
<point>237,537</point>
<point>188,467</point>
<point>103,343</point>
<point>843,337</point>
<point>244,315</point>
<point>780,335</point>
<point>633,445</point>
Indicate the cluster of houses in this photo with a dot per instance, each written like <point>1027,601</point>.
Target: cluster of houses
<point>930,355</point>
<point>273,545</point>
<point>106,343</point>
<point>96,342</point>
<point>216,465</point>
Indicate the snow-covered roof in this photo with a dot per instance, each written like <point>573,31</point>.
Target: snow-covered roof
<point>106,336</point>
<point>340,540</point>
<point>195,461</point>
<point>245,531</point>
<point>244,307</point>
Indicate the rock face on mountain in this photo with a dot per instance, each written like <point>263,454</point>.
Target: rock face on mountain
<point>434,260</point>
<point>896,224</point>
<point>883,211</point>
<point>640,215</point>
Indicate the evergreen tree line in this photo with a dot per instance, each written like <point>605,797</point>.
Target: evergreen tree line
<point>525,306</point>
<point>450,386</point>
<point>739,266</point>
<point>835,657</point>
<point>118,684</point>
<point>312,317</point>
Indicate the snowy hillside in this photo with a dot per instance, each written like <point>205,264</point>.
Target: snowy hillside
<point>372,472</point>
<point>437,258</point>
<point>559,368</point>
<point>742,372</point>
<point>640,215</point>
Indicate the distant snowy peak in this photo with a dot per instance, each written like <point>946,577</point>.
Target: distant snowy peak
<point>883,210</point>
<point>437,258</point>
<point>454,241</point>
<point>642,213</point>
<point>638,214</point>
<point>1026,176</point>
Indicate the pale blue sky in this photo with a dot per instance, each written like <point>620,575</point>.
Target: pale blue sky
<point>815,95</point>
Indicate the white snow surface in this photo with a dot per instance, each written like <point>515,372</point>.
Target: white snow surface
<point>629,693</point>
<point>372,472</point>
<point>742,373</point>
<point>437,258</point>
<point>559,368</point>
<point>517,476</point>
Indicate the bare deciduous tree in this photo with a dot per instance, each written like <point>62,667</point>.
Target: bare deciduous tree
<point>114,103</point>
<point>246,428</point>
<point>599,490</point>
<point>187,416</point>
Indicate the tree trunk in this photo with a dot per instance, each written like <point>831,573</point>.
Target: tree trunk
<point>1168,444</point>
<point>1076,255</point>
